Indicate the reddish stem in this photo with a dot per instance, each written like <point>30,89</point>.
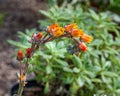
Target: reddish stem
<point>26,66</point>
<point>46,40</point>
<point>75,40</point>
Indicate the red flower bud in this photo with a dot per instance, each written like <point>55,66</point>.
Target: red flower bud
<point>82,46</point>
<point>20,55</point>
<point>38,36</point>
<point>28,52</point>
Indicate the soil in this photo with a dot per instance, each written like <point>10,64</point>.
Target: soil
<point>20,14</point>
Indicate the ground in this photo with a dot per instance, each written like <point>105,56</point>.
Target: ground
<point>20,15</point>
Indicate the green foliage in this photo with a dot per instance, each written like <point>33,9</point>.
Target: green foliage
<point>115,6</point>
<point>2,17</point>
<point>95,72</point>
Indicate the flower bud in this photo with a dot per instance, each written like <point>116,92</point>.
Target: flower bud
<point>20,55</point>
<point>28,52</point>
<point>58,31</point>
<point>86,38</point>
<point>38,36</point>
<point>82,46</point>
<point>70,27</point>
<point>76,32</point>
<point>52,27</point>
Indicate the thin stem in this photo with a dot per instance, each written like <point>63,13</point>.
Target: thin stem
<point>26,66</point>
<point>47,40</point>
<point>66,35</point>
<point>76,40</point>
<point>21,84</point>
<point>45,36</point>
<point>20,90</point>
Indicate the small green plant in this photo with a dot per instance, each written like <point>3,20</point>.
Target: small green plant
<point>49,67</point>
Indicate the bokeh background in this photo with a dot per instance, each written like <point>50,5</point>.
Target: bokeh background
<point>17,15</point>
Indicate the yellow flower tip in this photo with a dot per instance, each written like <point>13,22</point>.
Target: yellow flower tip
<point>75,26</point>
<point>86,38</point>
<point>70,27</point>
<point>77,33</point>
<point>57,32</point>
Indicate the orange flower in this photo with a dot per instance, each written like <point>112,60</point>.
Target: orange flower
<point>86,38</point>
<point>76,32</point>
<point>58,31</point>
<point>20,55</point>
<point>28,52</point>
<point>38,36</point>
<point>22,77</point>
<point>70,27</point>
<point>82,46</point>
<point>52,27</point>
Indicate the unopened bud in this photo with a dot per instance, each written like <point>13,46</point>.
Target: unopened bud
<point>28,52</point>
<point>20,55</point>
<point>82,46</point>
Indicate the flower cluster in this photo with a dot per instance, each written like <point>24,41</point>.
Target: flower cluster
<point>71,31</point>
<point>53,31</point>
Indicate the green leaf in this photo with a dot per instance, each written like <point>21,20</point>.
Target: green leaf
<point>60,52</point>
<point>94,15</point>
<point>118,91</point>
<point>61,62</point>
<point>23,35</point>
<point>45,56</point>
<point>112,50</point>
<point>80,81</point>
<point>46,14</point>
<point>67,69</point>
<point>18,44</point>
<point>76,70</point>
<point>96,80</point>
<point>97,42</point>
<point>77,61</point>
<point>48,69</point>
<point>107,64</point>
<point>47,88</point>
<point>51,46</point>
<point>68,80</point>
<point>90,73</point>
<point>109,74</point>
<point>74,88</point>
<point>88,80</point>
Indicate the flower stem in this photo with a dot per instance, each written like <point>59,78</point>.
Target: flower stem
<point>20,90</point>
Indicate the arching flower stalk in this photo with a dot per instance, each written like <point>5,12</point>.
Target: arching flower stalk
<point>53,32</point>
